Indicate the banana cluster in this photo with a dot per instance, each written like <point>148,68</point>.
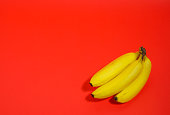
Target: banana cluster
<point>123,78</point>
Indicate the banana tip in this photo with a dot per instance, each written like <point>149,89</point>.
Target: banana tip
<point>115,98</point>
<point>91,84</point>
<point>92,95</point>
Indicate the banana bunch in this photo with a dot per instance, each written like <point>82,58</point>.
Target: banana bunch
<point>124,77</point>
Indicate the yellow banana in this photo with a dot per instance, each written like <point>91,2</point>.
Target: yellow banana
<point>135,87</point>
<point>120,82</point>
<point>113,69</point>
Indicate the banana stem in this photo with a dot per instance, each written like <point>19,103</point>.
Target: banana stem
<point>142,51</point>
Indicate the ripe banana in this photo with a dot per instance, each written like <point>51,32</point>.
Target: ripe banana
<point>120,82</point>
<point>135,87</point>
<point>113,69</point>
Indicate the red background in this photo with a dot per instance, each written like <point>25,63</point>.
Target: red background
<point>49,50</point>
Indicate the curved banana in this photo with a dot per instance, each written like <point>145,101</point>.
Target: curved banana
<point>120,82</point>
<point>135,87</point>
<point>112,69</point>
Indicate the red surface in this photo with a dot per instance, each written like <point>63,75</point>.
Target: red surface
<point>49,50</point>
